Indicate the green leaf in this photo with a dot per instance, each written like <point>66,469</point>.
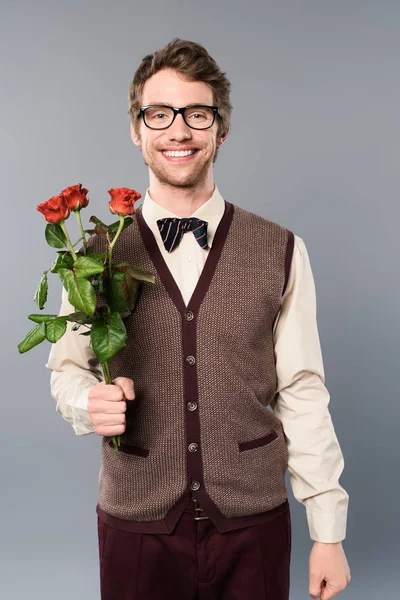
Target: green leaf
<point>140,273</point>
<point>137,272</point>
<point>81,251</point>
<point>108,335</point>
<point>86,266</point>
<point>41,318</point>
<point>119,265</point>
<point>133,290</point>
<point>101,228</point>
<point>80,317</point>
<point>96,221</point>
<point>113,228</point>
<point>63,261</point>
<point>81,294</point>
<point>40,296</point>
<point>98,255</point>
<point>34,337</point>
<point>55,236</point>
<point>132,286</point>
<point>55,329</point>
<point>100,285</point>
<point>118,298</point>
<point>63,273</point>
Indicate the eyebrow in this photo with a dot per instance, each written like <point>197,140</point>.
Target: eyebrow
<point>168,104</point>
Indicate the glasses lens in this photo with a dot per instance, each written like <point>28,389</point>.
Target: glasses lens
<point>199,117</point>
<point>160,117</point>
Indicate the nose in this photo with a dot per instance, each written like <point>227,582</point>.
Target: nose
<point>179,130</point>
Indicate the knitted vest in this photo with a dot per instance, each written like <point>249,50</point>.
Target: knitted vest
<point>204,375</point>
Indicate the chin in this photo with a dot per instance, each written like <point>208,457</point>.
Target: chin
<point>176,182</point>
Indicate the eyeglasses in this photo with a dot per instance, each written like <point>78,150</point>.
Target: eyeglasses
<point>158,116</point>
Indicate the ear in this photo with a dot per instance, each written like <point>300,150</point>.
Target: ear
<point>222,138</point>
<point>135,137</point>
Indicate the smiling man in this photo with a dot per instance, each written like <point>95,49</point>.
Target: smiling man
<point>179,157</point>
<point>220,389</point>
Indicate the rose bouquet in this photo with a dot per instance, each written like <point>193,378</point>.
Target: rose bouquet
<point>85,275</point>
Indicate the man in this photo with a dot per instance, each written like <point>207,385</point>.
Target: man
<point>220,388</point>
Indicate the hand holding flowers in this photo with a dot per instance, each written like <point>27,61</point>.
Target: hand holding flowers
<point>83,273</point>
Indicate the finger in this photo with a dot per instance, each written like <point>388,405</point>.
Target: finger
<point>314,589</point>
<point>109,430</point>
<point>332,590</point>
<point>127,385</point>
<point>99,419</point>
<point>107,391</point>
<point>107,406</point>
<point>328,592</point>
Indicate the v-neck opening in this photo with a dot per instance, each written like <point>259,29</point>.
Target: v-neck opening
<point>209,266</point>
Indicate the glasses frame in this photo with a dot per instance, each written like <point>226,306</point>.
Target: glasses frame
<point>178,111</point>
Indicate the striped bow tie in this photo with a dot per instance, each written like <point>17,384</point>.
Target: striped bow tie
<point>172,230</point>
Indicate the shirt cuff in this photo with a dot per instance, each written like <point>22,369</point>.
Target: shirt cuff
<point>328,528</point>
<point>80,415</point>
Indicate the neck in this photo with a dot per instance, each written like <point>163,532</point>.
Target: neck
<point>182,201</point>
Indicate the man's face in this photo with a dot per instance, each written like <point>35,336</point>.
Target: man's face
<point>168,87</point>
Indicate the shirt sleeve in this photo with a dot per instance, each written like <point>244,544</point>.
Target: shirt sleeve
<point>74,371</point>
<point>315,460</point>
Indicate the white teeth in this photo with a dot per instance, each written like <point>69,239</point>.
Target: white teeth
<point>182,153</point>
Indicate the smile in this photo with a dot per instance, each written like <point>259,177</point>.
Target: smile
<point>183,156</point>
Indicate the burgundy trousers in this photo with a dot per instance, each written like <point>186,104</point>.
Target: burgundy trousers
<point>196,562</point>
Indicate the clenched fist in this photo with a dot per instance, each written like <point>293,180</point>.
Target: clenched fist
<point>107,405</point>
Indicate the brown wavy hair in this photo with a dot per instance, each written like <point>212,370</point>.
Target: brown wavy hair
<point>194,62</point>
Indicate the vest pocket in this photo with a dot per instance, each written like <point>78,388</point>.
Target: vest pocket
<point>258,442</point>
<point>129,449</point>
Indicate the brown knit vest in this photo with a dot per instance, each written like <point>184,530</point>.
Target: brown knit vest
<point>204,375</point>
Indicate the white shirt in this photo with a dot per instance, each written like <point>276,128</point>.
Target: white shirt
<point>315,460</point>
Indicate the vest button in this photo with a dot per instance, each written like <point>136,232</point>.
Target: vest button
<point>192,405</point>
<point>193,447</point>
<point>194,485</point>
<point>189,316</point>
<point>190,360</point>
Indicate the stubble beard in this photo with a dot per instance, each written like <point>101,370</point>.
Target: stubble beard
<point>166,176</point>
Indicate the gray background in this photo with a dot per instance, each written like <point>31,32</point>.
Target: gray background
<point>314,145</point>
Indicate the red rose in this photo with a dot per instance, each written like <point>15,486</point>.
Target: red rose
<point>123,200</point>
<point>55,209</point>
<point>75,196</point>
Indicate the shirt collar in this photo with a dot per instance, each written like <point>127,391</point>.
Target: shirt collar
<point>211,211</point>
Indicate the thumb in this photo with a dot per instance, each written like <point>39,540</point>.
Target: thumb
<point>314,588</point>
<point>328,592</point>
<point>127,386</point>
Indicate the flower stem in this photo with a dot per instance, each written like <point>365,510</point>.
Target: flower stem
<point>78,218</point>
<point>108,380</point>
<point>69,243</point>
<point>112,244</point>
<point>105,364</point>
